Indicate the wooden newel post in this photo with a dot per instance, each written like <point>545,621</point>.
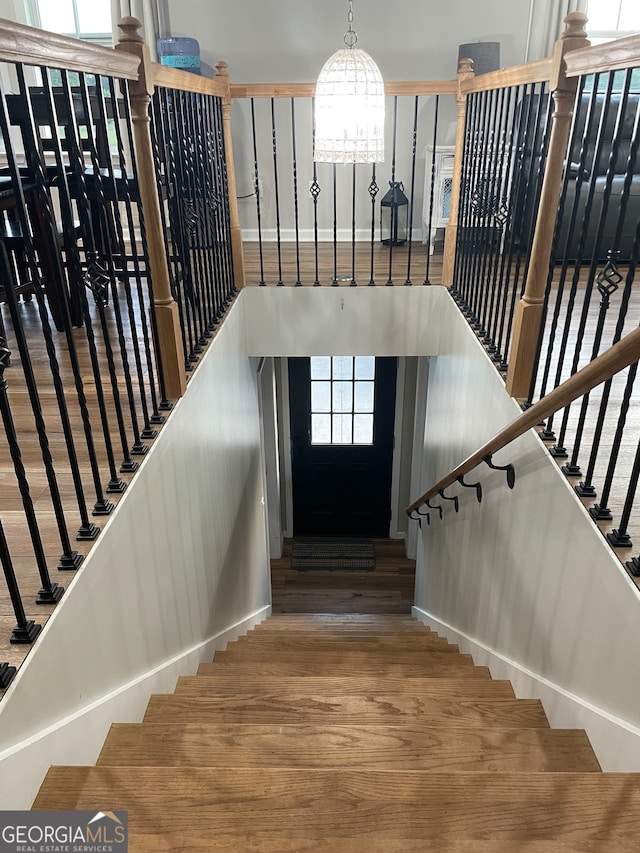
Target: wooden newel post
<point>166,309</point>
<point>528,317</point>
<point>465,73</point>
<point>236,232</point>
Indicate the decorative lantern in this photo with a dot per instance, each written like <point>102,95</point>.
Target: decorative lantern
<point>393,215</point>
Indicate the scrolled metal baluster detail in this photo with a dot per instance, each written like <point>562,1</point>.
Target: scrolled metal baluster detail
<point>373,189</point>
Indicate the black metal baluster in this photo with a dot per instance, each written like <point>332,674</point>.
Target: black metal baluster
<point>373,192</point>
<point>276,189</point>
<point>176,221</point>
<point>256,189</point>
<point>118,193</point>
<point>187,220</point>
<point>25,630</point>
<point>414,142</point>
<point>97,278</point>
<point>295,188</point>
<point>476,153</point>
<point>534,187</point>
<point>353,226</point>
<point>609,279</point>
<point>206,201</point>
<point>69,559</point>
<point>558,449</point>
<point>314,189</point>
<point>507,210</point>
<point>224,214</point>
<point>214,235</point>
<point>619,537</point>
<point>130,191</point>
<point>427,280</point>
<point>508,284</point>
<point>87,530</point>
<point>193,216</point>
<point>393,178</point>
<point>50,593</point>
<point>499,214</point>
<point>460,282</point>
<point>489,205</point>
<point>334,282</point>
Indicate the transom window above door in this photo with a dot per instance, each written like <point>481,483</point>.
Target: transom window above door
<point>342,399</point>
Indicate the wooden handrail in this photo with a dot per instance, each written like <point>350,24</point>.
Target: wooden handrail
<point>611,56</point>
<point>32,46</point>
<point>176,78</point>
<point>517,75</point>
<point>615,359</point>
<point>308,90</point>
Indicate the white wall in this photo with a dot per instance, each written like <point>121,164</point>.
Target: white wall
<point>524,580</point>
<point>180,568</point>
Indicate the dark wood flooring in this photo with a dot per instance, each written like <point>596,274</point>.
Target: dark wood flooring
<point>387,589</point>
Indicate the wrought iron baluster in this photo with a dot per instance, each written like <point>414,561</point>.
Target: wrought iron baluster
<point>50,593</point>
<point>276,189</point>
<point>373,192</point>
<point>434,144</point>
<point>131,192</point>
<point>353,226</point>
<point>25,630</point>
<point>393,180</point>
<point>117,193</point>
<point>460,281</point>
<point>533,189</point>
<point>215,236</point>
<point>97,278</point>
<point>334,281</point>
<point>36,167</point>
<point>295,188</point>
<point>69,559</point>
<point>256,188</point>
<point>414,142</point>
<point>314,189</point>
<point>206,202</point>
<point>224,214</point>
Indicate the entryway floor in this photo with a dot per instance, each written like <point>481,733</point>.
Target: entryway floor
<point>388,589</point>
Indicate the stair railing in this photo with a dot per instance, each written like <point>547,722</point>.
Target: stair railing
<point>625,353</point>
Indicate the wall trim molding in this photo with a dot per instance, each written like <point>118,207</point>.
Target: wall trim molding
<point>615,742</point>
<point>325,235</point>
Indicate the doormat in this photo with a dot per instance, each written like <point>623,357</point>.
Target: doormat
<point>329,554</point>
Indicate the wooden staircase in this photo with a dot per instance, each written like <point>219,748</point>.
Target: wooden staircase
<point>351,733</point>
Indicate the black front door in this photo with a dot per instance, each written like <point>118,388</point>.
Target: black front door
<point>342,415</point>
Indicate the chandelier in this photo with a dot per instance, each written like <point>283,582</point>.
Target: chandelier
<point>349,106</point>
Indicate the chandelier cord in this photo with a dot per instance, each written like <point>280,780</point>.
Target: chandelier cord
<point>351,36</point>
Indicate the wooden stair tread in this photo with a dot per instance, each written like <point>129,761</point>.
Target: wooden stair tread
<point>314,804</point>
<point>311,667</point>
<point>346,709</point>
<point>382,843</point>
<point>339,621</point>
<point>407,747</point>
<point>299,684</point>
<point>357,642</point>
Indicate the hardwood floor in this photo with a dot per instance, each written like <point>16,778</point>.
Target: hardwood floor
<point>388,589</point>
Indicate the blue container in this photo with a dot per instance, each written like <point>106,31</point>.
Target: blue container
<point>180,52</point>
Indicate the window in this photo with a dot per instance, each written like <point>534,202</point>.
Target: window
<point>85,19</point>
<point>609,19</point>
<point>342,395</point>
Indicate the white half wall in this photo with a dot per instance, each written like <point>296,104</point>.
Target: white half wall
<point>524,580</point>
<point>180,568</point>
<point>302,321</point>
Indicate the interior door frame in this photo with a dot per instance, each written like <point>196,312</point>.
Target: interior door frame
<point>284,430</point>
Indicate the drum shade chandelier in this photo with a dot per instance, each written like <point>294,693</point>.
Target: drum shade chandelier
<point>349,106</point>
